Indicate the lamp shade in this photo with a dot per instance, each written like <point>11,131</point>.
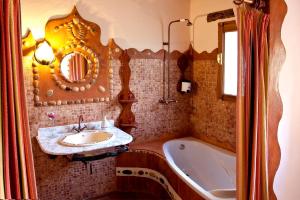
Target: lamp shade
<point>44,53</point>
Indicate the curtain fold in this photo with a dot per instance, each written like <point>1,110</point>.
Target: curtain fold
<point>77,67</point>
<point>252,155</point>
<point>17,177</point>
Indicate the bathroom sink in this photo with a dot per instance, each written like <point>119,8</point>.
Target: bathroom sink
<point>62,140</point>
<point>85,138</point>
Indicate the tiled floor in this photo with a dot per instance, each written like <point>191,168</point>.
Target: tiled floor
<point>127,196</point>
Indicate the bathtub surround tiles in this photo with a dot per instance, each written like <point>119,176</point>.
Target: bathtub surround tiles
<point>213,120</point>
<point>150,174</point>
<point>61,179</point>
<point>132,184</point>
<point>126,196</point>
<point>151,159</point>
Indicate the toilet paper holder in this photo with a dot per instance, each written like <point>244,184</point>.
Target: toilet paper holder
<point>184,86</point>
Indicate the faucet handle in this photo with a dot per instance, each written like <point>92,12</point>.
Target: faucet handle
<point>84,127</point>
<point>106,123</point>
<point>75,129</point>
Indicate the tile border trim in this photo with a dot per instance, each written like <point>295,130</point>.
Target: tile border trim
<point>150,174</point>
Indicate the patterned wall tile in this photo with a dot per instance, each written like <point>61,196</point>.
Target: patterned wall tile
<point>61,179</point>
<point>203,114</point>
<point>212,119</point>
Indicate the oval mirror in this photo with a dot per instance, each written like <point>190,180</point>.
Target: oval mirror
<point>74,67</point>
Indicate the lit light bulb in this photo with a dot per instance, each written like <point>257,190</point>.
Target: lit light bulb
<point>44,53</point>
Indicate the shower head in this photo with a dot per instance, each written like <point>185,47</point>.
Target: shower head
<point>169,100</point>
<point>189,23</point>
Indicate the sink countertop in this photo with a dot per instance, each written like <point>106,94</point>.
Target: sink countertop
<point>48,139</point>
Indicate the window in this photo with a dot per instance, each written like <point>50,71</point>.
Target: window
<point>227,57</point>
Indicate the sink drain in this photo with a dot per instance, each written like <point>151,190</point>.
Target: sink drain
<point>181,146</point>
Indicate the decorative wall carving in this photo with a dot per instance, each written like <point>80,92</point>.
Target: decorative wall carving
<point>67,35</point>
<point>126,98</point>
<point>278,10</point>
<point>204,55</point>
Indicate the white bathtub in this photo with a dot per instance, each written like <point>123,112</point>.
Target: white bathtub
<point>208,170</point>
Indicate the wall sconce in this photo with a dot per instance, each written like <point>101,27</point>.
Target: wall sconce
<point>44,53</point>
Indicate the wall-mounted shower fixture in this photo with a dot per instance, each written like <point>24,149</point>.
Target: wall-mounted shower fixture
<point>167,100</point>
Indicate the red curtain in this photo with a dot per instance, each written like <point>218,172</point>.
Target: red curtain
<point>77,67</point>
<point>252,152</point>
<point>17,177</point>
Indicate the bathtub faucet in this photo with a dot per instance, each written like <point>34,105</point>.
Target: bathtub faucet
<point>79,128</point>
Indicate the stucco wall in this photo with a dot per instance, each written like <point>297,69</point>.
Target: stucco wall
<point>141,24</point>
<point>287,178</point>
<point>204,35</point>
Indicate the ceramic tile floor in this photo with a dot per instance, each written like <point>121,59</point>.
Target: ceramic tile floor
<point>127,196</point>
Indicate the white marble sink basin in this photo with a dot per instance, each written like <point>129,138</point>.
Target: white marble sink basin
<point>60,140</point>
<point>86,138</point>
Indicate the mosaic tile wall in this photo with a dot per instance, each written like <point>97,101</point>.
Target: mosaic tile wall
<point>61,179</point>
<point>155,119</point>
<point>213,119</point>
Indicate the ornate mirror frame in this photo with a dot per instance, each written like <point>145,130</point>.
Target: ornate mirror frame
<point>73,34</point>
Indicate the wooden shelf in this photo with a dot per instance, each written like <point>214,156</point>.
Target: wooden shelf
<point>127,100</point>
<point>126,97</point>
<point>133,125</point>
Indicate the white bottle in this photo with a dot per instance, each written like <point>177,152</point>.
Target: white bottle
<point>105,123</point>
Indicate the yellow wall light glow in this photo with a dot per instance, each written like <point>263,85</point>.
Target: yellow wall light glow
<point>44,53</point>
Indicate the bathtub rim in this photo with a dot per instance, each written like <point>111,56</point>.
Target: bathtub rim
<point>192,184</point>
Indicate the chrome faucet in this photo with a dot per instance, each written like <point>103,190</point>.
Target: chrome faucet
<point>79,128</point>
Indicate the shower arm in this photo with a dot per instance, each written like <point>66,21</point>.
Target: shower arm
<point>169,47</point>
<point>168,54</point>
<point>169,31</point>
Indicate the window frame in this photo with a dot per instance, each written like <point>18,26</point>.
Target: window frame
<point>223,27</point>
